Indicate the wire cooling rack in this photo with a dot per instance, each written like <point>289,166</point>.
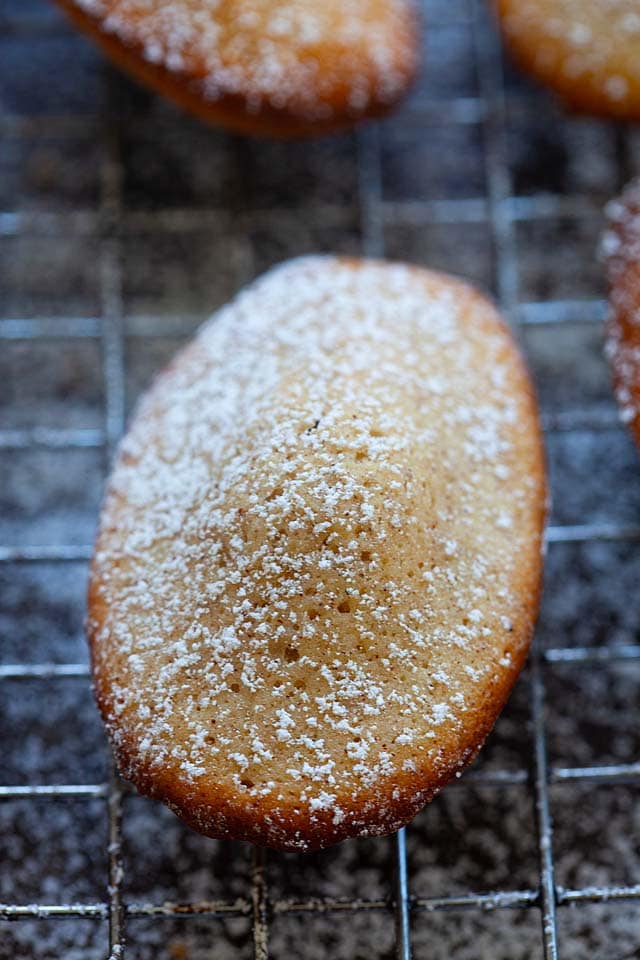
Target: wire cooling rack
<point>122,224</point>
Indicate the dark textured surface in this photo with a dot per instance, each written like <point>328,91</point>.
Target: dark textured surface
<point>49,497</point>
<point>193,214</point>
<point>588,596</point>
<point>47,272</point>
<point>42,611</point>
<point>53,851</point>
<point>462,249</point>
<point>65,368</point>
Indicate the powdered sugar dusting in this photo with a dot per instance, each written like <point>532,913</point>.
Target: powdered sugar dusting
<point>298,55</point>
<point>621,249</point>
<point>309,586</point>
<point>593,44</point>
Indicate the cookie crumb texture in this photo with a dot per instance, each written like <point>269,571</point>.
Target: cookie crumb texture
<point>588,51</point>
<point>318,565</point>
<point>283,69</point>
<point>621,249</point>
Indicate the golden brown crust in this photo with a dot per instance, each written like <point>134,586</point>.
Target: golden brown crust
<point>321,86</point>
<point>621,248</point>
<point>482,607</point>
<point>587,51</point>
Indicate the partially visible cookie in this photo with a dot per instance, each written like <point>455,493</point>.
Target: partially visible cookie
<point>318,565</point>
<point>588,51</point>
<point>621,248</point>
<point>279,68</point>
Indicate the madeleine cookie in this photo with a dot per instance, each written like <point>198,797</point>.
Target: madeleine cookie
<point>282,69</point>
<point>588,51</point>
<point>318,566</point>
<point>621,248</point>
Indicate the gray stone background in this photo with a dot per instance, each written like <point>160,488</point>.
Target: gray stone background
<point>123,224</point>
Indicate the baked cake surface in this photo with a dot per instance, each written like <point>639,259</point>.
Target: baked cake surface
<point>280,68</point>
<point>318,566</point>
<point>588,51</point>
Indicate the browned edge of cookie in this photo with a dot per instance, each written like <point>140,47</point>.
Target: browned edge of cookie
<point>228,110</point>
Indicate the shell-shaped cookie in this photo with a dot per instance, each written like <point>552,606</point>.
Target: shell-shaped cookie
<point>280,68</point>
<point>621,249</point>
<point>318,566</point>
<point>588,51</point>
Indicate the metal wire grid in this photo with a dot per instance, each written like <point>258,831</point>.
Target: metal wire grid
<point>504,212</point>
